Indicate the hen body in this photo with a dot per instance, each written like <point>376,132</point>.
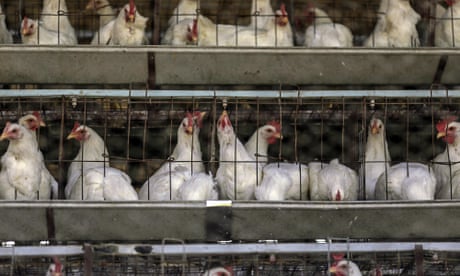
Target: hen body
<point>447,29</point>
<point>200,186</point>
<point>33,33</point>
<point>445,164</point>
<point>22,163</point>
<point>237,169</point>
<point>406,181</point>
<point>275,185</point>
<point>325,33</point>
<point>345,268</point>
<point>333,181</point>
<point>377,157</point>
<point>5,35</point>
<point>48,184</point>
<point>90,176</point>
<point>298,174</point>
<point>129,27</point>
<point>396,26</point>
<point>54,18</point>
<point>185,160</point>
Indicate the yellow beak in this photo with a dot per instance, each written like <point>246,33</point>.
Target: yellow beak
<point>71,136</point>
<point>440,134</point>
<point>374,130</point>
<point>332,269</point>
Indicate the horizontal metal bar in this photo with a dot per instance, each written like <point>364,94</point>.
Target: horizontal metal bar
<point>422,93</point>
<point>232,249</point>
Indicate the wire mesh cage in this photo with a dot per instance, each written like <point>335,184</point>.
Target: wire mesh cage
<point>359,17</point>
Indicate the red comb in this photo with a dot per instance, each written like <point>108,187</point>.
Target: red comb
<point>37,115</point>
<point>283,9</point>
<point>58,264</point>
<point>75,126</point>
<point>442,125</point>
<point>338,256</point>
<point>450,2</point>
<point>195,27</point>
<point>275,124</point>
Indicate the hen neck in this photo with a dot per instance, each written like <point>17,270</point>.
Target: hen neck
<point>258,144</point>
<point>377,148</point>
<point>93,149</point>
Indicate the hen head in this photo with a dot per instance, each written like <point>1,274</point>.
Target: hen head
<point>282,16</point>
<point>450,2</point>
<point>447,129</point>
<point>32,121</point>
<point>191,120</point>
<point>28,26</point>
<point>375,126</point>
<point>79,132</point>
<point>11,132</point>
<point>130,12</point>
<point>344,268</point>
<point>56,268</point>
<point>192,32</point>
<point>271,132</point>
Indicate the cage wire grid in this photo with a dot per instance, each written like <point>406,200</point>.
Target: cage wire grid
<point>359,16</point>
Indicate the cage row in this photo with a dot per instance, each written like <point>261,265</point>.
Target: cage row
<point>260,23</point>
<point>156,146</point>
<point>102,261</point>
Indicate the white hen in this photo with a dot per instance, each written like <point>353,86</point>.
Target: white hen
<point>376,157</point>
<point>345,268</point>
<point>299,175</point>
<point>129,27</point>
<point>22,163</point>
<point>90,176</point>
<point>5,35</point>
<point>165,185</point>
<point>180,23</point>
<point>54,18</point>
<point>324,33</point>
<point>185,160</point>
<point>276,33</point>
<point>275,185</point>
<point>446,165</point>
<point>33,33</point>
<point>56,268</point>
<point>107,15</point>
<point>447,29</point>
<point>238,174</point>
<point>200,186</point>
<point>406,181</point>
<point>333,181</point>
<point>257,145</point>
<point>396,26</point>
<point>48,184</point>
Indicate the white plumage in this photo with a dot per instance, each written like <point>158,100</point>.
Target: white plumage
<point>333,181</point>
<point>396,26</point>
<point>325,33</point>
<point>276,33</point>
<point>447,29</point>
<point>185,161</point>
<point>54,18</point>
<point>48,184</point>
<point>275,185</point>
<point>345,268</point>
<point>406,181</point>
<point>299,175</point>
<point>257,145</point>
<point>107,15</point>
<point>22,164</point>
<point>377,157</point>
<point>90,176</point>
<point>237,170</point>
<point>180,23</point>
<point>200,186</point>
<point>33,33</point>
<point>445,164</point>
<point>165,185</point>
<point>5,35</point>
<point>129,27</point>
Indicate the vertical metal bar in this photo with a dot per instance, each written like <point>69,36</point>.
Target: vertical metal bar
<point>384,148</point>
<point>280,104</point>
<point>343,129</point>
<point>418,253</point>
<point>169,159</point>
<point>407,135</point>
<point>88,259</point>
<point>322,132</point>
<point>235,161</point>
<point>192,162</point>
<point>126,164</point>
<point>212,147</point>
<point>144,139</point>
<point>156,22</point>
<point>61,177</point>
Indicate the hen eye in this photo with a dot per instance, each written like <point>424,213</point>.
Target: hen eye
<point>451,128</point>
<point>380,126</point>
